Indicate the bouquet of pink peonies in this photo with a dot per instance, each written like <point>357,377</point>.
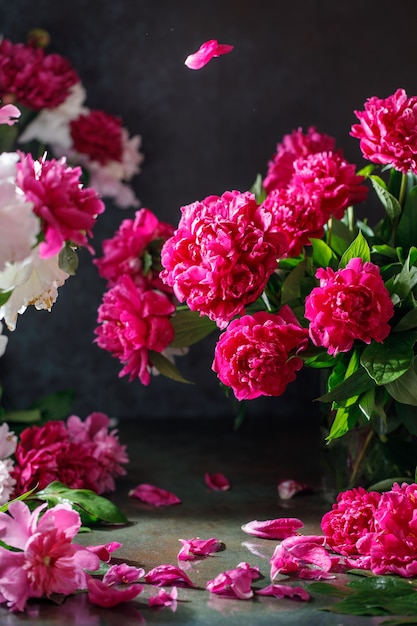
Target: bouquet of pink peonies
<point>290,278</point>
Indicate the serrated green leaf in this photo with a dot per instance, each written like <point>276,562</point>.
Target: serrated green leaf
<point>166,367</point>
<point>389,202</point>
<point>190,327</point>
<point>387,361</point>
<point>359,248</point>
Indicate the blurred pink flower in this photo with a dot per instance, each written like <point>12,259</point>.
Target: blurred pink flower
<point>217,481</point>
<point>222,254</point>
<point>123,574</point>
<point>68,211</point>
<point>9,114</point>
<point>194,548</point>
<point>350,304</point>
<point>293,146</point>
<point>234,583</point>
<point>154,495</point>
<point>108,596</point>
<point>279,528</point>
<point>207,51</point>
<point>284,591</point>
<point>287,489</point>
<point>387,131</point>
<point>256,354</point>
<point>98,135</point>
<point>167,574</point>
<point>133,321</point>
<point>165,599</point>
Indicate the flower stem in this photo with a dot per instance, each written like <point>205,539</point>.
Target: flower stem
<point>360,457</point>
<point>403,189</point>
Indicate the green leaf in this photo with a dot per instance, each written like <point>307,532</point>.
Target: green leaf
<point>367,403</point>
<point>408,416</point>
<point>389,202</point>
<point>407,322</point>
<point>190,327</point>
<point>91,507</point>
<point>55,406</point>
<point>4,296</point>
<point>166,367</point>
<point>291,287</point>
<point>68,260</point>
<point>258,189</point>
<point>321,360</point>
<point>345,419</point>
<point>323,255</point>
<point>406,234</point>
<point>359,248</point>
<point>23,496</point>
<point>404,388</point>
<point>387,361</point>
<point>339,237</point>
<point>22,417</point>
<point>356,384</point>
<point>385,250</point>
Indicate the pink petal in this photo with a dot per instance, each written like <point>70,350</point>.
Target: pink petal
<point>105,596</point>
<point>280,528</point>
<point>216,481</point>
<point>164,598</point>
<point>205,53</point>
<point>284,591</point>
<point>234,583</point>
<point>168,575</point>
<point>194,548</point>
<point>9,114</point>
<point>289,488</point>
<point>103,551</point>
<point>154,495</point>
<point>122,574</point>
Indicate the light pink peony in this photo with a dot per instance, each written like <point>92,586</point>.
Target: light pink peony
<point>350,304</point>
<point>133,321</point>
<point>207,51</point>
<point>351,517</point>
<point>293,146</point>
<point>387,131</point>
<point>98,135</point>
<point>68,211</point>
<point>135,243</point>
<point>222,254</point>
<point>256,355</point>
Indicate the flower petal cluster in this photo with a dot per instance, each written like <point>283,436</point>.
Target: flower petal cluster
<point>206,52</point>
<point>256,355</point>
<point>235,583</point>
<point>350,304</point>
<point>79,455</point>
<point>387,131</point>
<point>222,254</point>
<point>44,560</point>
<point>133,321</point>
<point>305,556</point>
<point>32,77</point>
<point>196,548</point>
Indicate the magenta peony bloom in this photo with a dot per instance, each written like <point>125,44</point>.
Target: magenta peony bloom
<point>45,561</point>
<point>68,211</point>
<point>127,252</point>
<point>350,304</point>
<point>234,583</point>
<point>351,517</point>
<point>132,322</point>
<point>222,254</point>
<point>387,131</point>
<point>256,355</point>
<point>33,78</point>
<point>292,147</point>
<point>207,51</point>
<point>98,135</point>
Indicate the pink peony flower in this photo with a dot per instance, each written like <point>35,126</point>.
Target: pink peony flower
<point>102,446</point>
<point>9,114</point>
<point>133,246</point>
<point>256,355</point>
<point>217,481</point>
<point>133,321</point>
<point>234,583</point>
<point>154,495</point>
<point>35,79</point>
<point>168,575</point>
<point>387,131</point>
<point>284,591</point>
<point>352,517</point>
<point>165,599</point>
<point>108,596</point>
<point>68,211</point>
<point>98,135</point>
<point>293,146</point>
<point>280,528</point>
<point>350,304</point>
<point>45,561</point>
<point>194,548</point>
<point>222,254</point>
<point>207,51</point>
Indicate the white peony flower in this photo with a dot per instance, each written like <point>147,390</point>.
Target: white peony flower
<point>7,483</point>
<point>3,341</point>
<point>8,441</point>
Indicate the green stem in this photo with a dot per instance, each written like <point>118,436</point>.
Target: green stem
<point>403,189</point>
<point>360,457</point>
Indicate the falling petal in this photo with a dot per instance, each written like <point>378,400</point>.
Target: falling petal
<point>154,495</point>
<point>216,481</point>
<point>9,114</point>
<point>207,51</point>
<point>194,548</point>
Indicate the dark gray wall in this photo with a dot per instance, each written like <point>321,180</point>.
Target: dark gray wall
<point>294,64</point>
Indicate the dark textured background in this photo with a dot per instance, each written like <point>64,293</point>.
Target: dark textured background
<point>294,64</point>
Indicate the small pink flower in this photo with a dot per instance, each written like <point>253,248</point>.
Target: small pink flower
<point>154,495</point>
<point>217,481</point>
<point>256,355</point>
<point>280,528</point>
<point>123,574</point>
<point>234,583</point>
<point>387,131</point>
<point>350,304</point>
<point>9,114</point>
<point>165,599</point>
<point>287,489</point>
<point>194,548</point>
<point>104,551</point>
<point>207,51</point>
<point>167,574</point>
<point>101,594</point>
<point>284,591</point>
